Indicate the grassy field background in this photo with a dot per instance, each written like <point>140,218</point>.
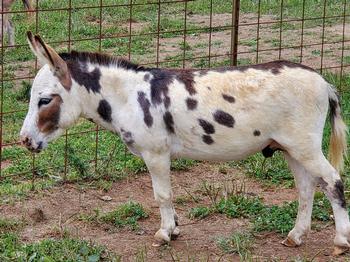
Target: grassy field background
<point>114,163</point>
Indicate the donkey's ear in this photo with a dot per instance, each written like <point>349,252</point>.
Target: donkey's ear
<point>47,55</point>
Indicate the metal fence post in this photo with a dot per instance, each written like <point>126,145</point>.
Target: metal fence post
<point>234,31</point>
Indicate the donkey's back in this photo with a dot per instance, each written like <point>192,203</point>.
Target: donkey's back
<point>230,113</point>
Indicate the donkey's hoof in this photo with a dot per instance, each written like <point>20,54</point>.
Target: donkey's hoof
<point>339,250</point>
<point>161,237</point>
<point>159,243</point>
<point>288,242</point>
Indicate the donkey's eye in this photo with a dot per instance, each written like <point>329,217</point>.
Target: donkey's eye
<point>44,101</point>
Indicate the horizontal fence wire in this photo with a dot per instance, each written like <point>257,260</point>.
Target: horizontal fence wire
<point>249,37</point>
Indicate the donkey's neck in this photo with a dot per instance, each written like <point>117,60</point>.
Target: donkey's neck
<point>105,91</point>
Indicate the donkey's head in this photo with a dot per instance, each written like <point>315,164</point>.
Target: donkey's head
<point>52,107</point>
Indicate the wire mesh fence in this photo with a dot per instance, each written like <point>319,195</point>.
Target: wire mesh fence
<point>173,33</point>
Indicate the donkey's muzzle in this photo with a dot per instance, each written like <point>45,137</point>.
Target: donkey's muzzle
<point>30,144</point>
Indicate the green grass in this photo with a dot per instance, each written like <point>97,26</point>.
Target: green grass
<point>9,225</point>
<point>263,217</point>
<point>124,216</point>
<point>52,250</point>
<point>240,243</point>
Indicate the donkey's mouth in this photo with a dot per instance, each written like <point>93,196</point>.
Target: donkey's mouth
<point>37,149</point>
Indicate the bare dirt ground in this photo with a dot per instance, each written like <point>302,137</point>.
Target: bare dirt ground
<point>54,212</point>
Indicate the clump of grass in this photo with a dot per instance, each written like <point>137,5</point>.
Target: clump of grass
<point>272,170</point>
<point>182,164</point>
<point>9,225</point>
<point>199,212</point>
<point>24,93</point>
<point>125,215</point>
<point>275,218</point>
<point>67,249</point>
<point>239,206</point>
<point>238,243</point>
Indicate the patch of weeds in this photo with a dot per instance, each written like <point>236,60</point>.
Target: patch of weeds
<point>211,191</point>
<point>249,42</point>
<point>9,225</point>
<point>104,185</point>
<point>125,215</point>
<point>276,218</point>
<point>67,249</point>
<point>239,243</point>
<point>199,212</point>
<point>24,93</point>
<point>76,161</point>
<point>182,164</point>
<point>316,52</point>
<point>322,208</point>
<point>141,254</point>
<point>182,200</point>
<point>282,218</point>
<point>185,46</point>
<point>346,59</point>
<point>239,206</point>
<point>273,170</point>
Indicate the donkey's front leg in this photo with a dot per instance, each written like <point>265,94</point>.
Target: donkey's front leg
<point>159,166</point>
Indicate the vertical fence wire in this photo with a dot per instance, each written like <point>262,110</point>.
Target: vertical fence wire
<point>258,33</point>
<point>210,32</point>
<point>302,32</point>
<point>234,31</point>
<point>2,82</point>
<point>185,35</point>
<point>158,34</point>
<point>281,29</point>
<point>342,48</point>
<point>323,33</point>
<point>69,47</point>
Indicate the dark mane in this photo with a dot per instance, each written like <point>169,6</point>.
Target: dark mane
<point>100,59</point>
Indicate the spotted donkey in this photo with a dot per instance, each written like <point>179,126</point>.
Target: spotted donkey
<point>219,114</point>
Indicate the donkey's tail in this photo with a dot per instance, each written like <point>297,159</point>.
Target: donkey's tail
<point>338,143</point>
<point>27,4</point>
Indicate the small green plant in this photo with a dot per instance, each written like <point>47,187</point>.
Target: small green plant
<point>9,225</point>
<point>183,199</point>
<point>239,206</point>
<point>182,164</point>
<point>199,212</point>
<point>125,215</point>
<point>276,218</point>
<point>24,93</point>
<point>211,191</point>
<point>239,243</point>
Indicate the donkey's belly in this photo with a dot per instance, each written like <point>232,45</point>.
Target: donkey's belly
<point>219,150</point>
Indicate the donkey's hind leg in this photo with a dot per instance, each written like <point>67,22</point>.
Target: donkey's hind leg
<point>326,175</point>
<point>305,184</point>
